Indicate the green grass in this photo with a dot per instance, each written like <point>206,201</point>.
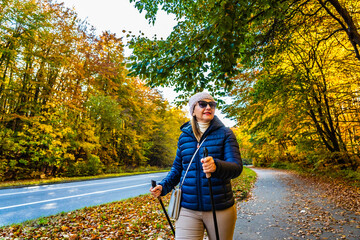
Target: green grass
<point>243,184</point>
<point>22,183</point>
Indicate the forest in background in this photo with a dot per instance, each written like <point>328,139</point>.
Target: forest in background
<point>291,66</point>
<point>67,104</point>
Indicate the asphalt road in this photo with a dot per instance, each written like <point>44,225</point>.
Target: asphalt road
<point>21,204</point>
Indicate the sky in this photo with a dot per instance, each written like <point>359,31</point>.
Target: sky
<point>118,15</point>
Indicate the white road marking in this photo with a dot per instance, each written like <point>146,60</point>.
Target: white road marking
<point>49,206</point>
<point>80,195</point>
<point>74,186</point>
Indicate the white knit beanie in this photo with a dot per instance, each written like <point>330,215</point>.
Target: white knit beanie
<point>197,97</point>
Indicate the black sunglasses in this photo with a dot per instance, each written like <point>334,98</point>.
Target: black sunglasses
<point>203,104</point>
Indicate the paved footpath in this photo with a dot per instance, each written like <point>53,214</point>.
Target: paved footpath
<point>283,206</point>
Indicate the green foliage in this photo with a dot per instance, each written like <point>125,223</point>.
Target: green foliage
<point>89,167</point>
<point>201,52</point>
<point>105,112</point>
<point>247,161</point>
<point>280,165</point>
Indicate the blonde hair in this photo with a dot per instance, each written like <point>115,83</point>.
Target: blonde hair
<point>195,128</point>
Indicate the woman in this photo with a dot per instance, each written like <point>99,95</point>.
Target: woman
<point>223,163</point>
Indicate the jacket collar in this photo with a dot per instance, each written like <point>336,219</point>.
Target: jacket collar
<point>214,125</point>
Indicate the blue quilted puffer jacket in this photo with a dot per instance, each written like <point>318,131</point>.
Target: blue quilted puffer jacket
<point>223,147</point>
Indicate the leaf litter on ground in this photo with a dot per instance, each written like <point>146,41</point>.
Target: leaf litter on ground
<point>322,208</point>
<point>136,218</point>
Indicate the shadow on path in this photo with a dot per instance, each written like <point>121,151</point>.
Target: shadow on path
<point>283,206</point>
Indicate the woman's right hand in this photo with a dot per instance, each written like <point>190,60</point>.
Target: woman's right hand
<point>156,191</point>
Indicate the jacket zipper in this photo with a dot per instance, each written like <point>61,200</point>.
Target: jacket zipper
<point>199,181</point>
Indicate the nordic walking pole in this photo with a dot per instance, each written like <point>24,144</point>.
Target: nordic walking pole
<point>208,176</point>
<point>153,184</point>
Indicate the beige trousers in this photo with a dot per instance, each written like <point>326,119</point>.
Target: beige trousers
<point>191,224</point>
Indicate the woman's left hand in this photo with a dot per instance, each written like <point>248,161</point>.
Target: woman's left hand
<point>208,165</point>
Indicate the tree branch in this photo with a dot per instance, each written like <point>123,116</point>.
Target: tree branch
<point>349,28</point>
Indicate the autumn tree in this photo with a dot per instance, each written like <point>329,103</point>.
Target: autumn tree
<point>292,67</point>
<point>303,100</point>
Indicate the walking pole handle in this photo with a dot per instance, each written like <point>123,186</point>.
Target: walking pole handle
<point>206,154</point>
<point>153,183</point>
